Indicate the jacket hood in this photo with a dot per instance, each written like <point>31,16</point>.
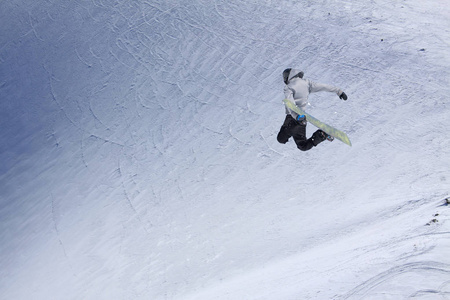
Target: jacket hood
<point>288,74</point>
<point>295,73</point>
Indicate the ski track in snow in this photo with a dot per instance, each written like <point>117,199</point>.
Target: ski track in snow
<point>149,129</point>
<point>421,268</point>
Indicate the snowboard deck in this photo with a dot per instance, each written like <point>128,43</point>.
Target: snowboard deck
<point>336,133</point>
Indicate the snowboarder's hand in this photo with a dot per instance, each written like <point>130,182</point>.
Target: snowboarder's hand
<point>343,96</point>
<point>301,119</point>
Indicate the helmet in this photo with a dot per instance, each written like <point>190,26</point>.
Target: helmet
<point>286,75</point>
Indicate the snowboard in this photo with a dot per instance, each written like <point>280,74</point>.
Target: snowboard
<point>340,135</point>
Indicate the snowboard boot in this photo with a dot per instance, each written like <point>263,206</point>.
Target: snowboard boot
<point>319,136</point>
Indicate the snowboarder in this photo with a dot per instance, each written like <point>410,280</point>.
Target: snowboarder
<point>297,90</point>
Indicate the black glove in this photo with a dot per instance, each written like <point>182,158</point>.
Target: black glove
<point>343,96</point>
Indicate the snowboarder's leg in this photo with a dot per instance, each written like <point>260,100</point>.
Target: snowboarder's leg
<point>297,130</point>
<point>306,144</point>
<point>285,130</point>
<point>283,136</point>
<point>299,135</point>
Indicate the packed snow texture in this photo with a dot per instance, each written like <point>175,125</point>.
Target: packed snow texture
<point>139,157</point>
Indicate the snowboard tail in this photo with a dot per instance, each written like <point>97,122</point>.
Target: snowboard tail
<point>340,135</point>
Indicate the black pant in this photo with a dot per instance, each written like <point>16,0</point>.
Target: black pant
<point>297,130</point>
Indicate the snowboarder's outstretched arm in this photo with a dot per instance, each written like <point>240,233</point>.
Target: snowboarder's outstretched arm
<point>315,87</point>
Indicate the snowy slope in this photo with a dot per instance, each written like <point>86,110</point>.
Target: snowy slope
<point>140,161</point>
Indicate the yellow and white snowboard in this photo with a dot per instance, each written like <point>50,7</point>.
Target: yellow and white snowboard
<point>340,135</point>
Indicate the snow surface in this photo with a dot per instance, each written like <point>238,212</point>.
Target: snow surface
<point>139,157</point>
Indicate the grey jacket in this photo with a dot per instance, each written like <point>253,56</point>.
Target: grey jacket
<point>298,89</point>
